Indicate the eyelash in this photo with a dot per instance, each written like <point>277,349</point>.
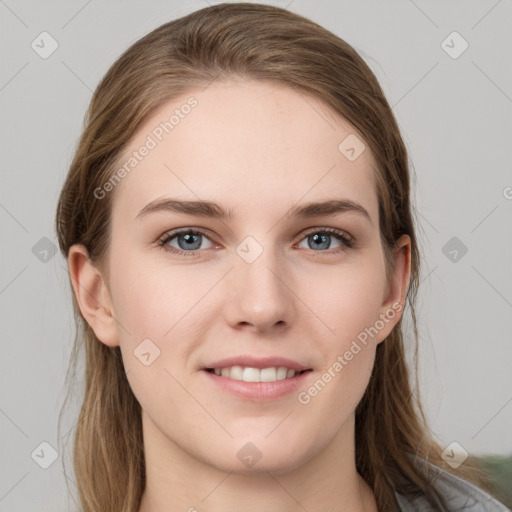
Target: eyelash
<point>347,241</point>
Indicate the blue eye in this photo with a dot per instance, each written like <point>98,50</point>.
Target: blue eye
<point>189,241</point>
<point>326,234</point>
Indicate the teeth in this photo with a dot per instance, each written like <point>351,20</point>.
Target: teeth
<point>248,374</point>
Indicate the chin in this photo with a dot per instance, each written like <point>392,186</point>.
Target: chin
<point>259,456</point>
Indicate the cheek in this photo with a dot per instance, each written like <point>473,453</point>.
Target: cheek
<point>150,298</point>
<point>348,357</point>
<point>347,299</point>
<point>348,309</point>
<point>151,304</point>
<point>160,310</point>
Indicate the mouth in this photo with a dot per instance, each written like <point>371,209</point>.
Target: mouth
<point>257,385</point>
<point>257,378</point>
<point>250,374</point>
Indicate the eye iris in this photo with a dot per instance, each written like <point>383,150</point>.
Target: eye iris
<point>190,239</point>
<point>321,239</point>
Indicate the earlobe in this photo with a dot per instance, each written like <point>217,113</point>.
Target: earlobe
<point>92,295</point>
<point>393,305</point>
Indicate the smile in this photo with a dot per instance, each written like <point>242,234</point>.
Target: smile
<point>257,390</point>
<point>249,374</point>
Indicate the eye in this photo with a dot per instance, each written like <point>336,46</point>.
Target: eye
<point>189,242</point>
<point>321,239</point>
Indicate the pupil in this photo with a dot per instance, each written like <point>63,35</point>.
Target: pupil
<point>318,238</point>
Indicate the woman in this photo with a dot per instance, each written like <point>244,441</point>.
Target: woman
<point>238,229</point>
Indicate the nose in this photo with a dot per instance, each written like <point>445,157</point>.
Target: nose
<point>259,294</point>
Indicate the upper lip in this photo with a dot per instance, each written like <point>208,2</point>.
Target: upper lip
<point>256,362</point>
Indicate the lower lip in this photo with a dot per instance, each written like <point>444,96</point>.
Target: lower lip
<point>258,391</point>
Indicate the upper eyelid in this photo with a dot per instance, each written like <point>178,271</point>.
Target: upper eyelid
<point>182,231</point>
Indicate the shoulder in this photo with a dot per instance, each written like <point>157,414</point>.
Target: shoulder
<point>460,495</point>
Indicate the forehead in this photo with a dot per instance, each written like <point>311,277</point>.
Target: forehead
<point>247,143</point>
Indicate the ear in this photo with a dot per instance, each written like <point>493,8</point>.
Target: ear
<point>394,300</point>
<point>92,295</point>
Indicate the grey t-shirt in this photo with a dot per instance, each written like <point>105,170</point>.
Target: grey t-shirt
<point>458,493</point>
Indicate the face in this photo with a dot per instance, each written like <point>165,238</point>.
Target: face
<point>271,280</point>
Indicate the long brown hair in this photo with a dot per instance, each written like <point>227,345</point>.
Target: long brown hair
<point>252,41</point>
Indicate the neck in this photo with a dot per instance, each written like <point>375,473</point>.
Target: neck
<point>177,481</point>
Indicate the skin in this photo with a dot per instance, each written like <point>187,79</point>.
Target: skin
<point>258,148</point>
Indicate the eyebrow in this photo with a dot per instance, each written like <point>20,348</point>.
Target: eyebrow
<point>214,210</point>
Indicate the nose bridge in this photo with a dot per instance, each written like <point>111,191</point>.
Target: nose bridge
<point>259,285</point>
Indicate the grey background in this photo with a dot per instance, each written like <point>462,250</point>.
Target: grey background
<point>455,115</point>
